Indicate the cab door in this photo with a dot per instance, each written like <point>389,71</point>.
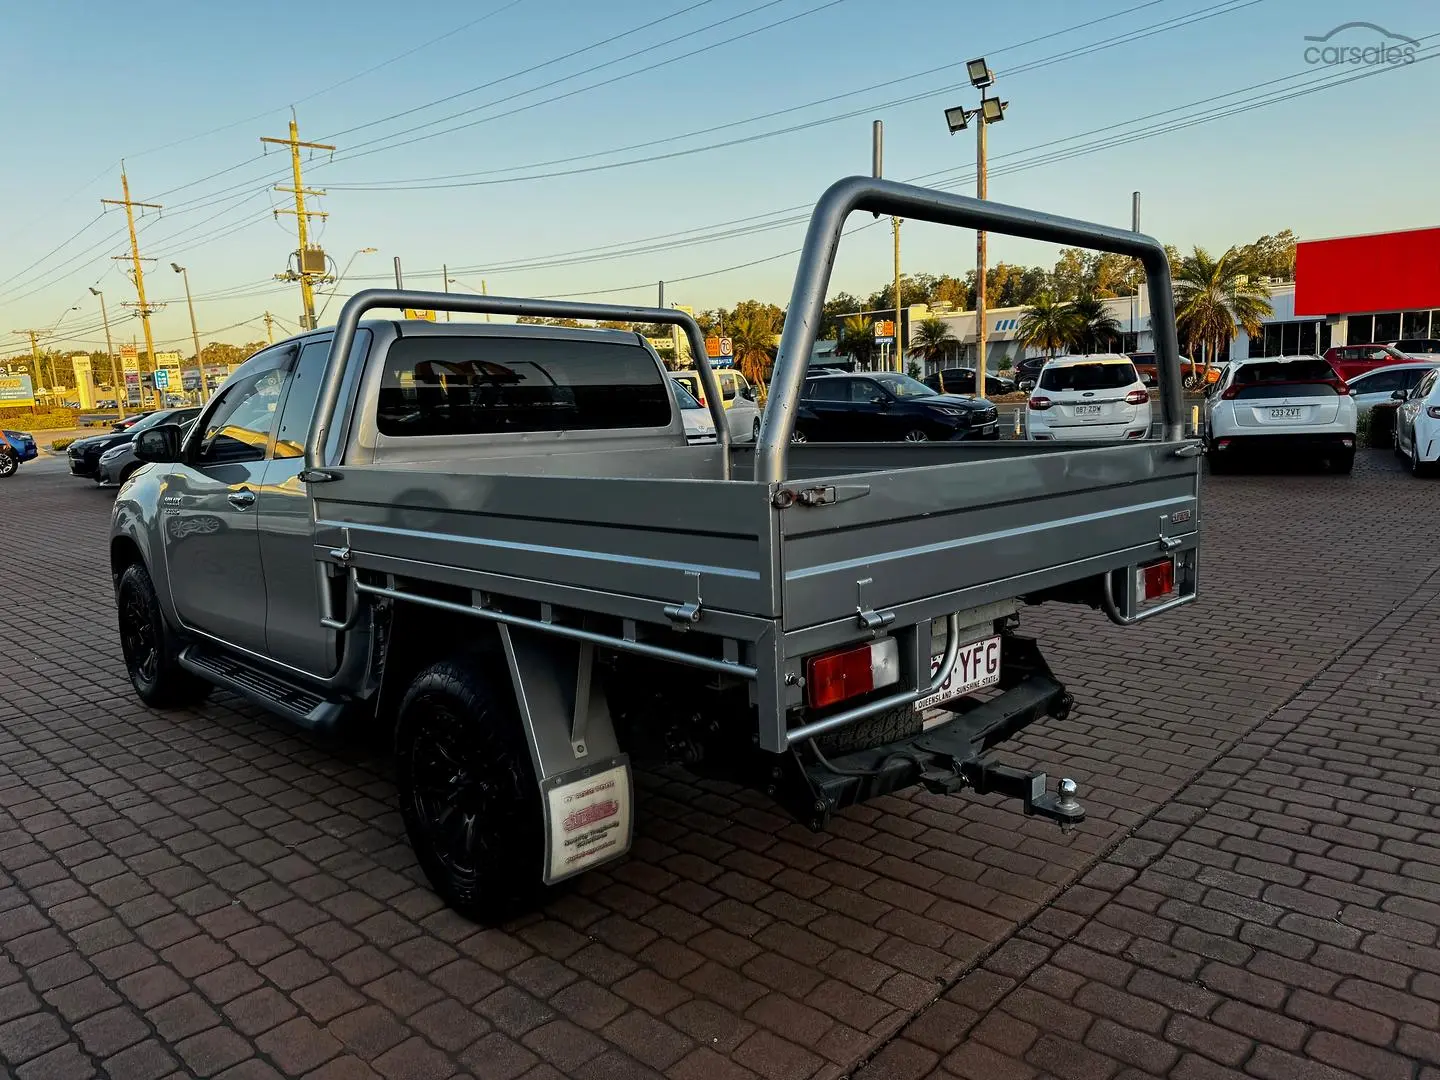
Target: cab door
<point>208,506</point>
<point>293,634</point>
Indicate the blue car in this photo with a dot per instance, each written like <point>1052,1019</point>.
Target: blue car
<point>15,447</point>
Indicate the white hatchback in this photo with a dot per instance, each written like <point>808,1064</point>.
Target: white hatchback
<point>1280,405</point>
<point>1098,397</point>
<point>1417,426</point>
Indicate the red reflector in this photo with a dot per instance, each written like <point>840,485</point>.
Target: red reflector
<point>1222,444</point>
<point>1157,579</point>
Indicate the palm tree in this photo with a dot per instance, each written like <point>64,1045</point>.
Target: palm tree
<point>752,336</point>
<point>1093,323</point>
<point>1048,324</point>
<point>1214,300</point>
<point>933,340</point>
<point>857,339</point>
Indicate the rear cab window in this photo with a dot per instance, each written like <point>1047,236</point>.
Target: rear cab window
<point>1097,376</point>
<point>443,385</point>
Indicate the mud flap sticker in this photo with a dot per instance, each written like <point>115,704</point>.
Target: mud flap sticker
<point>588,818</point>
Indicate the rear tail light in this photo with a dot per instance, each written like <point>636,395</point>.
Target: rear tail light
<point>1155,580</point>
<point>1341,387</point>
<point>837,676</point>
<point>1230,393</point>
<point>1137,397</point>
<point>1433,412</point>
<point>1040,403</point>
<point>1222,444</point>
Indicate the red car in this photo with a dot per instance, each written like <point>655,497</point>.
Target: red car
<point>1352,360</point>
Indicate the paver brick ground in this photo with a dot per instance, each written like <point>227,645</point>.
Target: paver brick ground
<point>1255,892</point>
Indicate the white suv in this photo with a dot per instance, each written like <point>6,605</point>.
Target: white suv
<point>1286,405</point>
<point>1088,397</point>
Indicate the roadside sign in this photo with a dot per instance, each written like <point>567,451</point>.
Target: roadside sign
<point>162,379</point>
<point>885,329</point>
<point>419,313</point>
<point>167,359</point>
<point>129,358</point>
<point>16,391</point>
<point>726,347</point>
<point>719,348</point>
<point>712,347</point>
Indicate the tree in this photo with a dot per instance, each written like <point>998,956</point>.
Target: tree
<point>834,313</point>
<point>1093,325</point>
<point>1049,325</point>
<point>752,331</point>
<point>857,339</point>
<point>914,289</point>
<point>1271,256</point>
<point>933,340</point>
<point>950,290</point>
<point>1215,299</point>
<point>1071,275</point>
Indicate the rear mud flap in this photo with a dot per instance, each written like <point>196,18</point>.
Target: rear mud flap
<point>587,795</point>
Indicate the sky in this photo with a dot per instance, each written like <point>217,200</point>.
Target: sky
<point>534,145</point>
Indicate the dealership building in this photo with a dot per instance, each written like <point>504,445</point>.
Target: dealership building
<point>1348,290</point>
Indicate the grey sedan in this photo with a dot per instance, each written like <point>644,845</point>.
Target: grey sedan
<point>1376,387</point>
<point>117,463</point>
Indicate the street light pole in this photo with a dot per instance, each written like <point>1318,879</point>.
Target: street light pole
<point>335,287</point>
<point>991,111</point>
<point>122,389</point>
<point>194,330</point>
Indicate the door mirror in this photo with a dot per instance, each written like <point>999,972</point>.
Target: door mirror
<point>1399,395</point>
<point>159,444</point>
<point>748,393</point>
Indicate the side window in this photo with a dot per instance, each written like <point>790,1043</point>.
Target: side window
<point>238,424</point>
<point>864,391</point>
<point>1427,384</point>
<point>299,410</point>
<point>830,390</point>
<point>728,386</point>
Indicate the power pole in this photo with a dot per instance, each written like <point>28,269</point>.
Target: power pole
<point>270,328</point>
<point>445,275</point>
<point>399,280</point>
<point>117,379</point>
<point>899,335</point>
<point>310,261</point>
<point>142,307</point>
<point>34,336</point>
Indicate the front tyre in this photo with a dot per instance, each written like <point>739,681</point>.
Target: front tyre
<point>917,435</point>
<point>468,792</point>
<point>9,463</point>
<point>150,648</point>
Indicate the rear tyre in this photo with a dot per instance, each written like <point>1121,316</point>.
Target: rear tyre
<point>798,436</point>
<point>468,792</point>
<point>916,436</point>
<point>755,430</point>
<point>1418,469</point>
<point>150,647</point>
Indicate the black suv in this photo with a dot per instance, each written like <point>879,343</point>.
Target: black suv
<point>961,380</point>
<point>882,407</point>
<point>84,454</point>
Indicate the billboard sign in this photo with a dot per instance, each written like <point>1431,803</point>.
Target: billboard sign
<point>1354,275</point>
<point>167,359</point>
<point>16,392</point>
<point>129,358</point>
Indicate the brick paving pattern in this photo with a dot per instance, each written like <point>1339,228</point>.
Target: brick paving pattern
<point>1255,893</point>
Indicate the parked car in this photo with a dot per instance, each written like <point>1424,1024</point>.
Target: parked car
<point>1295,406</point>
<point>1378,387</point>
<point>961,380</point>
<point>1352,360</point>
<point>1417,346</point>
<point>699,428</point>
<point>1192,372</point>
<point>888,407</point>
<point>739,399</point>
<point>1088,397</point>
<point>1028,370</point>
<point>1417,425</point>
<point>130,421</point>
<point>16,448</point>
<point>84,454</point>
<point>117,463</point>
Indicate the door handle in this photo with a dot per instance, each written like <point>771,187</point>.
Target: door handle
<point>242,499</point>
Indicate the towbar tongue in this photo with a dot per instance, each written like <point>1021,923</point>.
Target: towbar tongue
<point>986,777</point>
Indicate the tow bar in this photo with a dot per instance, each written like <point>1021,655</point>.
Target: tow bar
<point>985,778</point>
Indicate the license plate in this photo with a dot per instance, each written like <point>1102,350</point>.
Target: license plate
<point>1087,410</point>
<point>1284,414</point>
<point>977,665</point>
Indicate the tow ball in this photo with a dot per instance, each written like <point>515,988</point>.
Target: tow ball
<point>985,778</point>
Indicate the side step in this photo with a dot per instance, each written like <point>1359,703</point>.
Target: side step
<point>296,704</point>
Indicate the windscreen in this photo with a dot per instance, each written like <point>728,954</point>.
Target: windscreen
<point>902,386</point>
<point>1088,377</point>
<point>491,385</point>
<point>684,397</point>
